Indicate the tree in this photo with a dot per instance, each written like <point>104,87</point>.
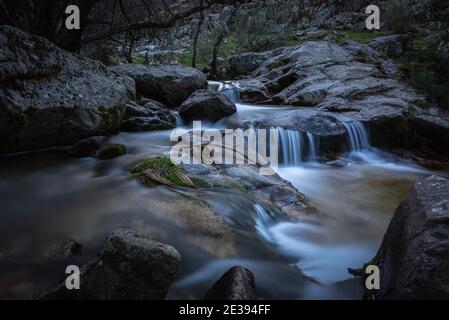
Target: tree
<point>196,37</point>
<point>100,19</point>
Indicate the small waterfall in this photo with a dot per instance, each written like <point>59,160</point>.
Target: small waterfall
<point>294,146</point>
<point>228,89</point>
<point>263,223</point>
<point>290,146</point>
<point>231,92</point>
<point>358,137</point>
<point>312,146</point>
<point>179,121</point>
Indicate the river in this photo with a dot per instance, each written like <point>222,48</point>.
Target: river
<point>48,197</point>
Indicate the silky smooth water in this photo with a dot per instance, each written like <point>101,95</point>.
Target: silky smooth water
<point>47,198</point>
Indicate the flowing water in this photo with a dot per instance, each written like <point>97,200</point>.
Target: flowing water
<point>48,198</point>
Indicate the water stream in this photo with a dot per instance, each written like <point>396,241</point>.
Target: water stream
<point>48,197</point>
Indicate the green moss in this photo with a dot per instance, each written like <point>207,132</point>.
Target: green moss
<point>295,42</point>
<point>162,170</point>
<point>427,70</point>
<point>364,36</point>
<point>111,151</point>
<point>237,186</point>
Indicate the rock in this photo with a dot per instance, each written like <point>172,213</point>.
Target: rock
<point>169,84</point>
<point>354,21</point>
<point>160,170</point>
<point>348,80</point>
<point>111,151</point>
<point>153,105</point>
<point>132,266</point>
<point>252,91</point>
<point>392,46</point>
<point>64,250</point>
<point>150,103</point>
<point>87,147</point>
<point>244,63</point>
<point>328,131</point>
<point>254,96</point>
<point>134,110</point>
<point>413,255</point>
<point>50,97</point>
<point>388,127</point>
<point>236,284</point>
<point>271,191</point>
<point>136,124</point>
<point>205,105</point>
<point>433,128</point>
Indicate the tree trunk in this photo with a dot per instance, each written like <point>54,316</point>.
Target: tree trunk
<point>214,69</point>
<point>195,39</point>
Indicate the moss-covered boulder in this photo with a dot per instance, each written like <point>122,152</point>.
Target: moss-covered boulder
<point>111,151</point>
<point>161,170</point>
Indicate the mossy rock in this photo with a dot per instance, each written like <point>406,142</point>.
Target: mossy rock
<point>111,151</point>
<point>161,170</point>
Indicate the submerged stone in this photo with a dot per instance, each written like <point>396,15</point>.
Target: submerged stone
<point>111,151</point>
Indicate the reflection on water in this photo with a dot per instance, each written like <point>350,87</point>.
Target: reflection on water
<point>48,198</point>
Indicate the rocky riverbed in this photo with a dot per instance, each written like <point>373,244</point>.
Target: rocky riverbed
<point>338,108</point>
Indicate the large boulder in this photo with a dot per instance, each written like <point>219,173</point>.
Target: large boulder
<point>50,97</point>
<point>168,84</point>
<point>413,256</point>
<point>206,105</point>
<point>236,284</point>
<point>271,191</point>
<point>132,266</point>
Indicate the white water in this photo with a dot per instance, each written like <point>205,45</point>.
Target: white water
<point>358,136</point>
<point>356,210</point>
<point>85,199</point>
<point>312,147</point>
<point>290,146</point>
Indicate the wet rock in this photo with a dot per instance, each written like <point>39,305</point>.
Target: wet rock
<point>160,170</point>
<point>134,110</point>
<point>168,84</point>
<point>388,127</point>
<point>150,103</point>
<point>392,46</point>
<point>252,91</point>
<point>254,96</point>
<point>205,105</point>
<point>136,124</point>
<point>348,81</point>
<point>111,151</point>
<point>87,147</point>
<point>413,256</point>
<point>237,283</point>
<point>270,191</point>
<point>132,266</point>
<point>330,134</point>
<point>50,97</point>
<point>433,128</point>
